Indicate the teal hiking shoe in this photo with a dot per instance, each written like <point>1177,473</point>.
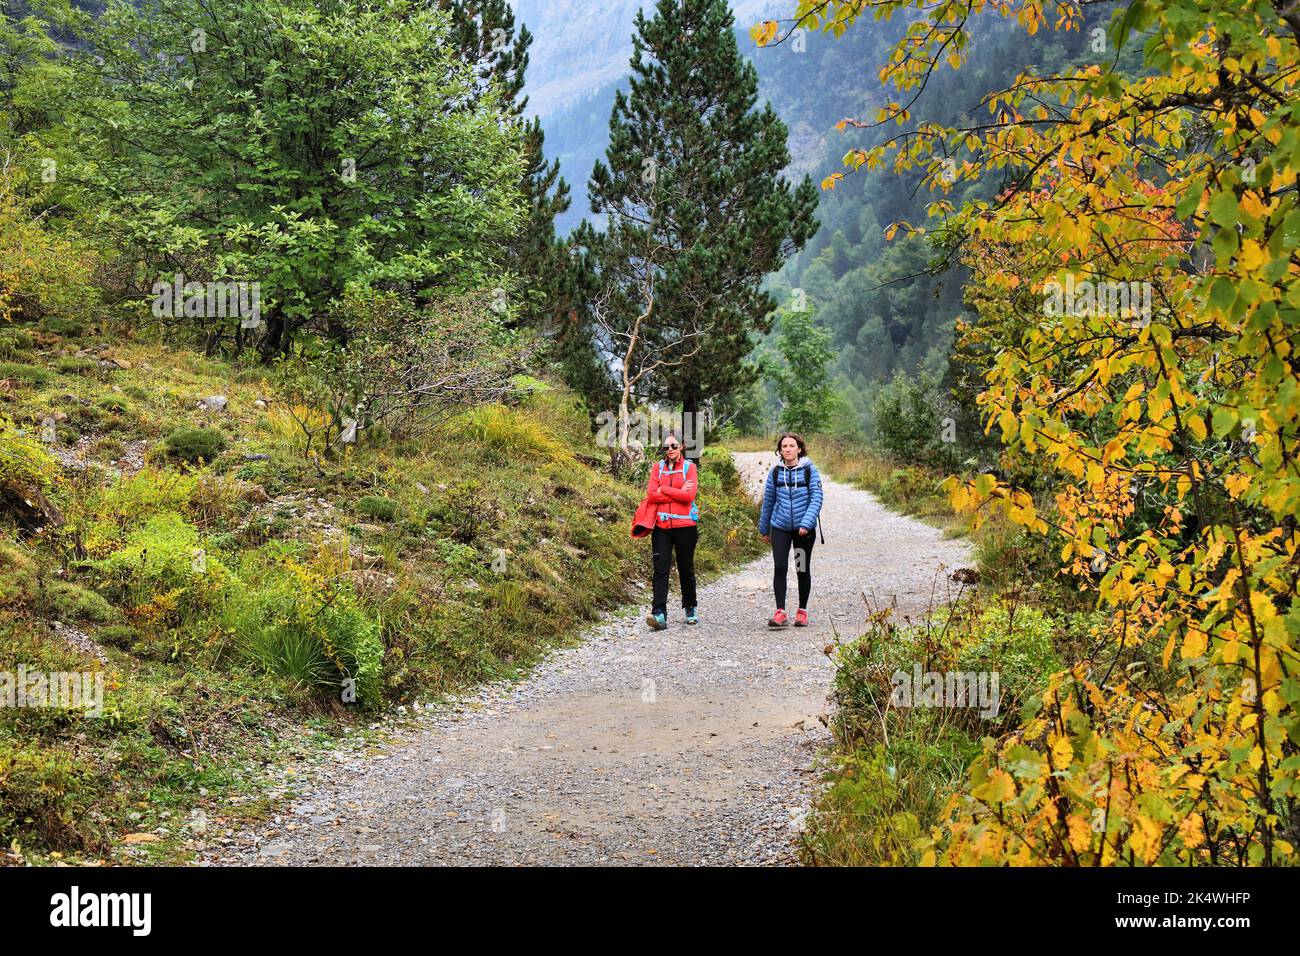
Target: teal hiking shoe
<point>690,616</point>
<point>657,621</point>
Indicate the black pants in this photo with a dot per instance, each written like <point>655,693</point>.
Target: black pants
<point>662,543</point>
<point>782,541</point>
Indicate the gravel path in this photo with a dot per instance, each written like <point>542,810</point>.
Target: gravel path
<point>692,745</point>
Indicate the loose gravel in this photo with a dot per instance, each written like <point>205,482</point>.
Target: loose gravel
<point>690,746</point>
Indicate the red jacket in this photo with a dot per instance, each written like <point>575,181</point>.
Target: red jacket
<point>672,491</point>
<point>669,499</point>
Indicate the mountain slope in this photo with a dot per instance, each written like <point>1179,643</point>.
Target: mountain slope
<point>582,46</point>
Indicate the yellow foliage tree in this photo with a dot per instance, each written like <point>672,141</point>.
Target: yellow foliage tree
<point>1138,290</point>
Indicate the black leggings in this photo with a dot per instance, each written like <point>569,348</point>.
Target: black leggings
<point>803,545</point>
<point>663,542</point>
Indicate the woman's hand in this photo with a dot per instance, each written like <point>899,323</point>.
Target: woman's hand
<point>767,538</point>
<point>803,531</point>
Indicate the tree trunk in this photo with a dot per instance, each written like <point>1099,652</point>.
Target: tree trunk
<point>691,425</point>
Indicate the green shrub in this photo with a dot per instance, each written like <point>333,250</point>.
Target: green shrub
<point>863,818</point>
<point>907,418</point>
<point>14,342</point>
<point>463,513</point>
<point>194,445</point>
<point>1017,644</point>
<point>25,465</point>
<point>113,510</point>
<point>113,405</point>
<point>123,636</point>
<point>71,365</point>
<point>162,571</point>
<point>61,326</point>
<point>709,485</point>
<point>718,461</point>
<point>378,507</point>
<point>506,435</point>
<point>907,488</point>
<point>70,602</point>
<point>309,631</point>
<point>1009,556</point>
<point>896,765</point>
<point>45,794</point>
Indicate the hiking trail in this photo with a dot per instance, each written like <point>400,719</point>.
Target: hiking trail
<point>693,745</point>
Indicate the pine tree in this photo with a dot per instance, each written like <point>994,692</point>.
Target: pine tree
<point>692,189</point>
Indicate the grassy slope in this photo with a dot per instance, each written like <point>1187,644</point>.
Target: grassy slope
<point>471,553</point>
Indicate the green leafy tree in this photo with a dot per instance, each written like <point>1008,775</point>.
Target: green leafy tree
<point>801,373</point>
<point>693,172</point>
<point>484,32</point>
<point>319,150</point>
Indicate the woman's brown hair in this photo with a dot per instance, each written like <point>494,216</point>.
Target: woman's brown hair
<point>803,449</point>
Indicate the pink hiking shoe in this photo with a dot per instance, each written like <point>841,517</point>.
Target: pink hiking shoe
<point>778,619</point>
<point>801,618</point>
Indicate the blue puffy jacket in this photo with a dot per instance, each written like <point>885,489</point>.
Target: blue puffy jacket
<point>792,497</point>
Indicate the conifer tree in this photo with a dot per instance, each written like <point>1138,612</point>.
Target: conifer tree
<point>693,172</point>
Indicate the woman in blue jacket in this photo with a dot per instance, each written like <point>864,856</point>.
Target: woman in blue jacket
<point>792,503</point>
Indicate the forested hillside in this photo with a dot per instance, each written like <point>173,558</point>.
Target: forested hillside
<point>890,307</point>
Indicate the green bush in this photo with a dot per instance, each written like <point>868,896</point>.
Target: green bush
<point>871,812</point>
<point>310,632</point>
<point>906,488</point>
<point>896,765</point>
<point>463,513</point>
<point>44,794</point>
<point>70,602</point>
<point>122,636</point>
<point>194,445</point>
<point>1009,556</point>
<point>1017,644</point>
<point>113,404</point>
<point>163,568</point>
<point>25,465</point>
<point>14,342</point>
<point>62,326</point>
<point>505,435</point>
<point>112,510</point>
<point>718,461</point>
<point>907,418</point>
<point>17,574</point>
<point>378,507</point>
<point>709,485</point>
<point>71,365</point>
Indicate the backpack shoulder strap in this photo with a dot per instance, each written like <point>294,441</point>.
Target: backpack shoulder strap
<point>807,480</point>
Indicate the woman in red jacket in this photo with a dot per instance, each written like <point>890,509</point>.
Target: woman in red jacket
<point>671,494</point>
